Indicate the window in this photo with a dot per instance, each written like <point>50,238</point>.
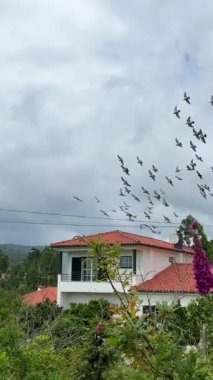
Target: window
<point>126,262</point>
<point>149,309</point>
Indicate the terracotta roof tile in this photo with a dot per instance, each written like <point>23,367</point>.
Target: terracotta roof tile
<point>49,293</point>
<point>119,237</point>
<point>175,278</point>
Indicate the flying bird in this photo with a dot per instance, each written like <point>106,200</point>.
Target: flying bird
<point>156,195</point>
<point>77,199</point>
<point>189,122</point>
<point>147,215</point>
<point>140,162</point>
<point>167,219</point>
<point>127,190</point>
<point>211,101</point>
<point>145,191</point>
<point>177,170</point>
<point>176,112</point>
<point>125,182</point>
<point>151,175</point>
<point>150,200</point>
<point>199,158</point>
<point>169,181</point>
<point>178,143</point>
<point>186,98</point>
<point>97,200</point>
<point>136,198</point>
<point>199,174</point>
<point>104,212</point>
<point>154,169</point>
<point>121,193</point>
<point>125,170</point>
<point>179,178</point>
<point>165,203</point>
<point>177,216</point>
<point>194,148</point>
<point>120,159</point>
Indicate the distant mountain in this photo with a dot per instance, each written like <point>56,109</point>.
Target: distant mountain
<point>16,253</point>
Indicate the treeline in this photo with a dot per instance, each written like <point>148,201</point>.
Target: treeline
<point>40,267</point>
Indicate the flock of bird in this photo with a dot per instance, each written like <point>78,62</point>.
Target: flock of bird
<point>157,197</point>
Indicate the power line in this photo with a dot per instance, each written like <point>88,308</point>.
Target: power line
<point>79,216</point>
<point>53,223</point>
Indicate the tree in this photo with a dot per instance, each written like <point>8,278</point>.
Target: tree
<point>3,263</point>
<point>185,228</point>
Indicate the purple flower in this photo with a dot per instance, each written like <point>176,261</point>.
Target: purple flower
<point>99,327</point>
<point>202,268</point>
<point>194,225</point>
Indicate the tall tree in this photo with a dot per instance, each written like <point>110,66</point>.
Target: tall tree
<point>185,228</point>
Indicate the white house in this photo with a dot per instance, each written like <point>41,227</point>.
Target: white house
<point>142,257</point>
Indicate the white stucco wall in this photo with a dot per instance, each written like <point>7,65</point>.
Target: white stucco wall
<point>67,298</point>
<point>153,260</point>
<point>169,298</point>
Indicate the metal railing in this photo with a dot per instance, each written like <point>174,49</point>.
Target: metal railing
<point>77,277</point>
<point>91,277</point>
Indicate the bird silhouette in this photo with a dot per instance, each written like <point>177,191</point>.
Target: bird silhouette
<point>178,143</point>
<point>198,157</point>
<point>125,182</point>
<point>104,212</point>
<point>156,195</point>
<point>120,159</point>
<point>211,101</point>
<point>165,203</point>
<point>151,175</point>
<point>176,112</point>
<point>125,170</point>
<point>97,200</point>
<point>127,190</point>
<point>147,215</point>
<point>189,122</point>
<point>145,191</point>
<point>177,216</point>
<point>179,178</point>
<point>136,198</point>
<point>166,219</point>
<point>77,199</point>
<point>177,170</point>
<point>199,174</point>
<point>154,169</point>
<point>121,193</point>
<point>186,98</point>
<point>194,148</point>
<point>169,181</point>
<point>150,200</point>
<point>140,162</point>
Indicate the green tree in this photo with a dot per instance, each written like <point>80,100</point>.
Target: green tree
<point>3,263</point>
<point>185,228</point>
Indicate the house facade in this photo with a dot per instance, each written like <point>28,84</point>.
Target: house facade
<point>141,257</point>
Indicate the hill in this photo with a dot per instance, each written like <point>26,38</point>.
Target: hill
<point>16,253</point>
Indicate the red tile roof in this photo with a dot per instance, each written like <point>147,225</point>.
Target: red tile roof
<point>175,278</point>
<point>119,237</point>
<point>41,295</point>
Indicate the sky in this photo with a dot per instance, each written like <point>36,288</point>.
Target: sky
<point>82,81</point>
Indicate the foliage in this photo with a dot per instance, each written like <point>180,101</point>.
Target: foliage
<point>40,267</point>
<point>185,228</point>
<point>3,263</point>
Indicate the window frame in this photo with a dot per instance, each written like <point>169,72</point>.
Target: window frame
<point>126,265</point>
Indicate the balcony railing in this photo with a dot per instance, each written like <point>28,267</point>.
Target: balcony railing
<point>91,277</point>
<point>83,277</point>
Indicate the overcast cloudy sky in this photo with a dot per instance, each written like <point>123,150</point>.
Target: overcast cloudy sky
<point>83,81</point>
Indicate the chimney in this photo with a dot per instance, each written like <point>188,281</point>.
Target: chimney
<point>40,287</point>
